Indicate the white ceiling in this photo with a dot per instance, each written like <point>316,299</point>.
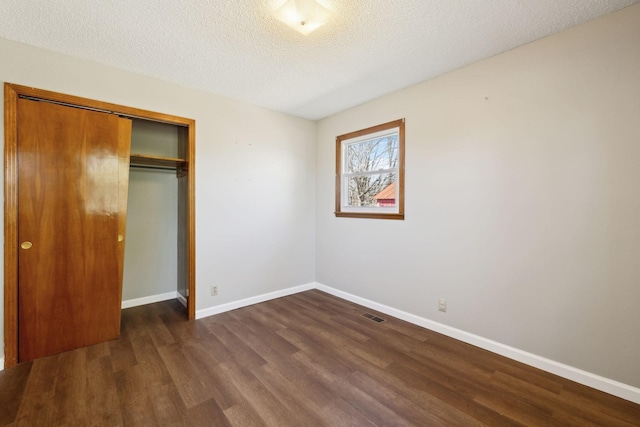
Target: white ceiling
<point>236,49</point>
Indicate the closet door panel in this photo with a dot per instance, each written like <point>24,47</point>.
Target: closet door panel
<point>72,180</point>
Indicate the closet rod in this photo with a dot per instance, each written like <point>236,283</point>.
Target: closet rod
<point>161,168</point>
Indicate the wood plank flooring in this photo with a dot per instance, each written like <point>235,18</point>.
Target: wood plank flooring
<point>308,359</point>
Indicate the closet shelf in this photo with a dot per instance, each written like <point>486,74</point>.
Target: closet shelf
<point>157,162</point>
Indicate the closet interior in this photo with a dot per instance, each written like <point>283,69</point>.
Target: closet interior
<point>153,261</point>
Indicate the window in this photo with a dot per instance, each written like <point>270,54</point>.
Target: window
<point>370,172</point>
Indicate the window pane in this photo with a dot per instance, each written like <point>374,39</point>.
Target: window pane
<point>372,190</point>
<point>372,154</point>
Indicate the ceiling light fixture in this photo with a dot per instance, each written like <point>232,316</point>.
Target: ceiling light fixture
<point>303,16</point>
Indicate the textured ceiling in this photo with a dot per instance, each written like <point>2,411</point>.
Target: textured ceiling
<point>235,48</point>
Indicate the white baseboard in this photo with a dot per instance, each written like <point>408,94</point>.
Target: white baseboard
<point>182,299</point>
<point>1,363</point>
<point>149,300</point>
<point>607,385</point>
<point>253,300</point>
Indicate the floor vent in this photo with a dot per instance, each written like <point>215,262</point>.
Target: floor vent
<point>372,317</point>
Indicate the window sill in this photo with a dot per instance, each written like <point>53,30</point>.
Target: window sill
<point>370,215</point>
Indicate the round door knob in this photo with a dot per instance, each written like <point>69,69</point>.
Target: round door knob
<point>120,237</point>
<point>26,245</point>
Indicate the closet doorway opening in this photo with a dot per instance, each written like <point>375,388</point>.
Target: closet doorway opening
<point>154,262</point>
<point>162,147</point>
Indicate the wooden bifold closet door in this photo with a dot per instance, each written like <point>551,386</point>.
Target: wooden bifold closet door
<point>73,167</point>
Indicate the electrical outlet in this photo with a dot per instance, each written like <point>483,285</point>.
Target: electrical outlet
<point>442,305</point>
<point>214,291</point>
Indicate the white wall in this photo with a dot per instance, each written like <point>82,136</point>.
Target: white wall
<point>151,250</point>
<point>255,172</point>
<point>522,200</point>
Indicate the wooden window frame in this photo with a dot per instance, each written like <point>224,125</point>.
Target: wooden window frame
<point>340,140</point>
<point>11,94</point>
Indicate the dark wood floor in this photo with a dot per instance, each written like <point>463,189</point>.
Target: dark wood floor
<point>305,360</point>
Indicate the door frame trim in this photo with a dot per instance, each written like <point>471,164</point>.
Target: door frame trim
<point>11,94</point>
